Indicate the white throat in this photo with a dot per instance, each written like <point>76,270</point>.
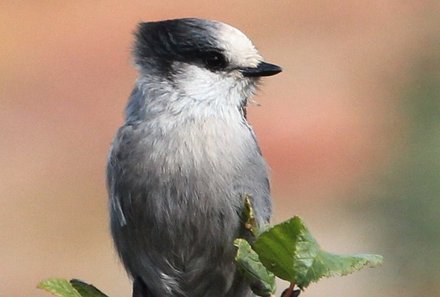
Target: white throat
<point>196,93</point>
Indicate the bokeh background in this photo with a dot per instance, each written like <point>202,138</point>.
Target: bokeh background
<point>350,129</point>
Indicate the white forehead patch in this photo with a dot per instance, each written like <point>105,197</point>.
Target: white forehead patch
<point>237,47</point>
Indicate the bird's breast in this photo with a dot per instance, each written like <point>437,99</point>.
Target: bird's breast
<point>191,170</point>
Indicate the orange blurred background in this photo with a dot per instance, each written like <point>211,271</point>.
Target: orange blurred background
<point>335,128</point>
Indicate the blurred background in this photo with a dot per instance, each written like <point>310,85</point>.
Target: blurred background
<point>350,129</point>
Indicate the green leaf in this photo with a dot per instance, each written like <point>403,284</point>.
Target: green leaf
<point>86,290</point>
<point>262,281</point>
<point>291,253</point>
<point>251,222</point>
<point>59,287</point>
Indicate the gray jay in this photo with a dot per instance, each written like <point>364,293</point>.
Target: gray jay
<point>185,158</point>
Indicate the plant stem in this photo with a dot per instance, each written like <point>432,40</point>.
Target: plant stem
<point>289,291</point>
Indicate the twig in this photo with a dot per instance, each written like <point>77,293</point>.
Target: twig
<point>290,291</point>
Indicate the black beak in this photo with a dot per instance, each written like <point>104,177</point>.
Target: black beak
<point>263,69</point>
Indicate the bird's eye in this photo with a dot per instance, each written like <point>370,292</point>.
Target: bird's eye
<point>214,60</point>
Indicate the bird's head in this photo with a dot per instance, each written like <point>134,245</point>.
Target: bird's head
<point>206,61</point>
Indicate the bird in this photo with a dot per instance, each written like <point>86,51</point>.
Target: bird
<point>185,157</point>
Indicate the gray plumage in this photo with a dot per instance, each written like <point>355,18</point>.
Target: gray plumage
<point>180,165</point>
